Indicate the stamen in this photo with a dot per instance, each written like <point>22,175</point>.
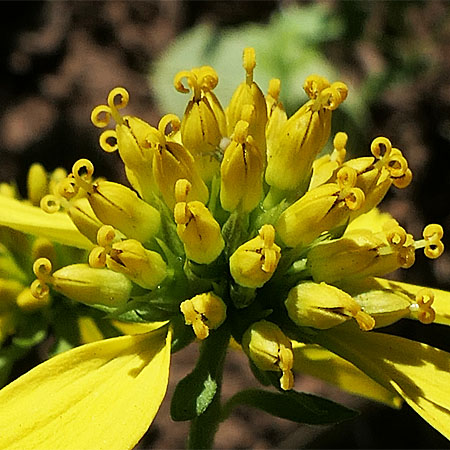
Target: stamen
<point>354,199</point>
<point>39,289</point>
<point>249,63</point>
<point>101,115</point>
<point>346,177</point>
<point>396,236</point>
<point>123,96</point>
<point>404,180</point>
<point>380,147</point>
<point>192,82</point>
<point>106,235</point>
<point>342,90</point>
<point>314,85</point>
<point>108,141</point>
<point>82,172</point>
<point>267,234</point>
<point>340,140</point>
<point>42,268</point>
<point>182,188</point>
<point>434,247</point>
<point>424,300</point>
<point>207,77</point>
<point>271,257</point>
<point>241,131</point>
<point>365,321</point>
<point>50,204</point>
<point>67,188</point>
<point>97,257</point>
<point>274,89</point>
<point>171,119</point>
<point>397,164</point>
<point>285,363</point>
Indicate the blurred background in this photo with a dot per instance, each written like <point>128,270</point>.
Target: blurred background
<point>60,59</point>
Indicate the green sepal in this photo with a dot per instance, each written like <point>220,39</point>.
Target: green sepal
<point>235,232</point>
<point>65,327</point>
<point>8,356</point>
<point>196,391</point>
<point>291,405</point>
<point>32,330</point>
<point>168,230</point>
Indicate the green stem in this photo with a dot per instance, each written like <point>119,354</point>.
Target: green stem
<point>204,427</point>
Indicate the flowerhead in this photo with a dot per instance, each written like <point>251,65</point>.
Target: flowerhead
<point>232,226</point>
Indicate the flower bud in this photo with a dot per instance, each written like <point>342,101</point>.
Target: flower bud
<point>321,209</point>
<point>277,116</point>
<point>37,183</point>
<point>117,205</point>
<point>145,267</point>
<point>199,127</point>
<point>204,312</point>
<point>241,172</point>
<point>83,217</point>
<point>303,137</point>
<point>255,261</point>
<point>173,162</point>
<point>269,349</point>
<point>129,138</point>
<point>322,306</point>
<point>90,286</point>
<point>249,93</point>
<point>196,227</point>
<point>43,248</point>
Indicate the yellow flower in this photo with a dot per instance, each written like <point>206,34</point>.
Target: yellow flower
<point>234,231</point>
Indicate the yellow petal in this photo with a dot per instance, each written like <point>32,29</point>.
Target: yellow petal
<point>102,395</point>
<point>372,220</point>
<point>30,219</point>
<point>321,363</point>
<point>417,372</point>
<point>136,328</point>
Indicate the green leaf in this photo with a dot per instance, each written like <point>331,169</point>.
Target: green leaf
<point>196,391</point>
<point>296,406</point>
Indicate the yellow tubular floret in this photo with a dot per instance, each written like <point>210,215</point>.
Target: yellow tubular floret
<point>249,93</point>
<point>117,205</point>
<point>269,349</point>
<point>204,312</point>
<point>196,227</point>
<point>303,136</point>
<point>145,267</point>
<point>322,306</point>
<point>255,261</point>
<point>320,209</point>
<point>241,172</point>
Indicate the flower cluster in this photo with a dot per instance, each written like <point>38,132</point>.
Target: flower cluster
<point>238,227</point>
